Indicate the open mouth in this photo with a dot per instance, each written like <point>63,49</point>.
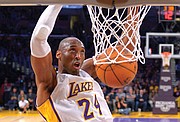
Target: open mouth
<point>77,65</point>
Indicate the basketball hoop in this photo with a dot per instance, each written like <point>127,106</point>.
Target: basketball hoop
<point>110,26</point>
<point>166,56</point>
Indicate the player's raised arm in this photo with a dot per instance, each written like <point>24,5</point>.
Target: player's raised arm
<point>41,57</point>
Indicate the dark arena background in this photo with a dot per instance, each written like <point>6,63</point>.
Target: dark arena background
<point>160,87</point>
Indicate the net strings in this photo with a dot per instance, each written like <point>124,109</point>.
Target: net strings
<point>108,27</point>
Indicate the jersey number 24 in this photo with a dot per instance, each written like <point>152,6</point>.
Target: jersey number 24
<point>87,104</point>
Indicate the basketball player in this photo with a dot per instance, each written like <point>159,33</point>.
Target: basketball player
<point>71,95</point>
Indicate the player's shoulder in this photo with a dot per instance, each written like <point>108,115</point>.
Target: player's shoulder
<point>84,73</point>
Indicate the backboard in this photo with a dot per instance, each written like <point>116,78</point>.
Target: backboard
<point>156,43</point>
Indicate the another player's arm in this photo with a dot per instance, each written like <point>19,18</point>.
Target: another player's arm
<point>41,56</point>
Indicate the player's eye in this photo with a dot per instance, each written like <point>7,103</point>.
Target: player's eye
<point>83,51</point>
<point>72,50</point>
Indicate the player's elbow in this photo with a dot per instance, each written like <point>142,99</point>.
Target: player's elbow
<point>41,84</point>
<point>42,32</point>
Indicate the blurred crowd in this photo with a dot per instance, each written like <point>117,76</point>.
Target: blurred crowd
<point>17,82</point>
<point>18,95</point>
<point>138,96</point>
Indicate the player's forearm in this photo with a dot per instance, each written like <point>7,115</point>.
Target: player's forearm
<point>44,26</point>
<point>89,67</point>
<point>47,19</point>
<point>131,27</point>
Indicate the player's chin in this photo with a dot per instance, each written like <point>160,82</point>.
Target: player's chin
<point>77,67</point>
<point>75,71</point>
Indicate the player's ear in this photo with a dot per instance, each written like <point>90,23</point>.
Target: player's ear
<point>58,54</point>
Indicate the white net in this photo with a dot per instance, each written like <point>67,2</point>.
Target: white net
<point>166,57</point>
<point>114,27</point>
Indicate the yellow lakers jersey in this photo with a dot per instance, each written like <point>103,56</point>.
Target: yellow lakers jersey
<point>76,99</point>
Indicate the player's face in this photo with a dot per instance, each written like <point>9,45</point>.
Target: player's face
<point>72,57</point>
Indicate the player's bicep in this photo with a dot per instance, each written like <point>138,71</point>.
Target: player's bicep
<point>42,68</point>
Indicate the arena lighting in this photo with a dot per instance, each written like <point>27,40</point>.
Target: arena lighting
<point>73,6</point>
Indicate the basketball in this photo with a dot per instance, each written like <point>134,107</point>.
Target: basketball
<point>116,75</point>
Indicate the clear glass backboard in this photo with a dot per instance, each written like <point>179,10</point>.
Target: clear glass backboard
<point>156,43</point>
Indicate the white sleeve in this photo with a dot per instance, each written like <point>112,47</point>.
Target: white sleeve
<point>27,102</point>
<point>38,44</point>
<point>20,104</point>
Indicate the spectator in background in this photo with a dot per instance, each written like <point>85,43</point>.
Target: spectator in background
<point>31,99</point>
<point>22,94</point>
<point>136,91</point>
<point>24,86</point>
<point>153,86</point>
<point>13,102</point>
<point>121,106</point>
<point>105,92</point>
<point>141,101</point>
<point>29,84</point>
<point>21,83</point>
<point>130,98</point>
<point>152,95</point>
<point>176,91</point>
<point>137,85</point>
<point>120,93</point>
<point>110,103</point>
<point>34,87</point>
<point>112,94</point>
<point>5,90</point>
<point>23,104</point>
<point>18,82</point>
<point>177,95</point>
